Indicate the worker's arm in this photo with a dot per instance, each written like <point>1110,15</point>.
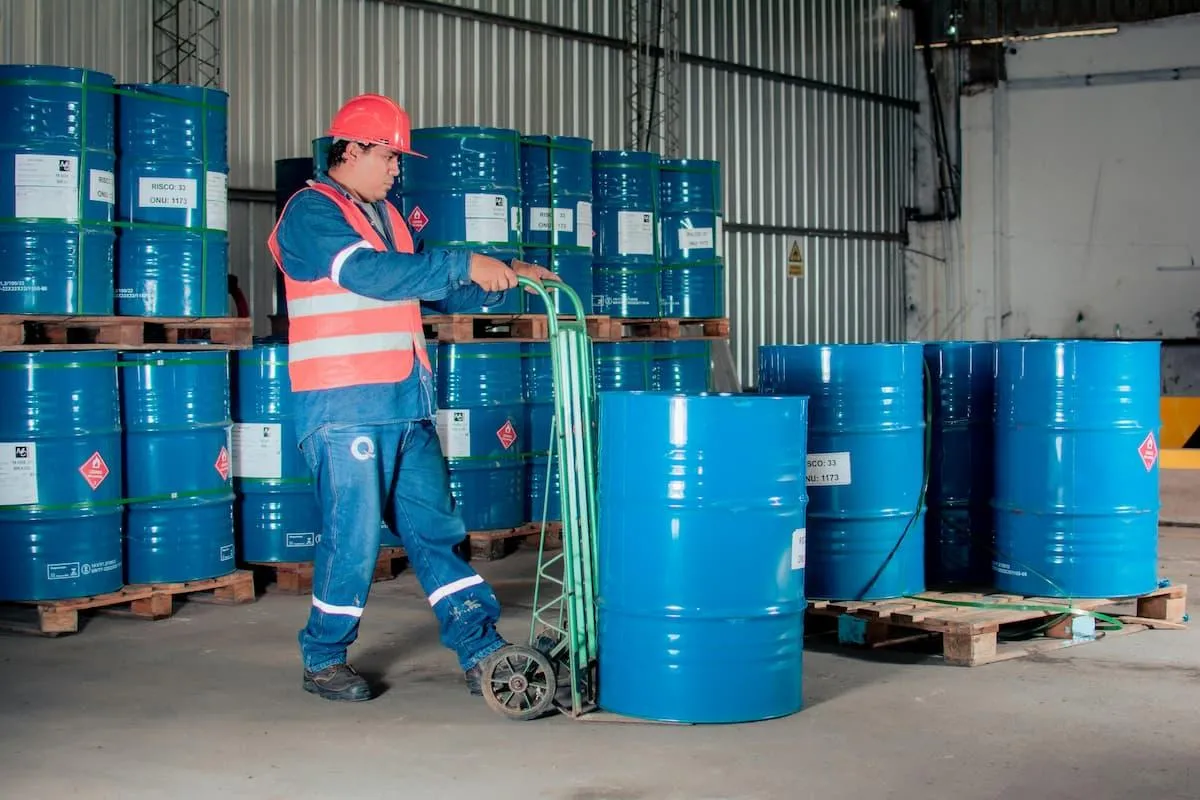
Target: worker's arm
<point>316,242</point>
<point>465,299</point>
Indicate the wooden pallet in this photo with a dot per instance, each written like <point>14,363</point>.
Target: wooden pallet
<point>491,545</point>
<point>617,328</point>
<point>971,636</point>
<point>296,577</point>
<point>463,328</point>
<point>145,601</point>
<point>55,332</point>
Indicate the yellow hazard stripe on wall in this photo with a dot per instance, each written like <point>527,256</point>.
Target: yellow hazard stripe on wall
<point>1180,422</point>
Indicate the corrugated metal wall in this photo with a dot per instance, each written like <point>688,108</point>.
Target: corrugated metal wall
<point>760,88</point>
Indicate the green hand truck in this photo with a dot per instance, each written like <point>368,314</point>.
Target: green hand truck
<point>558,667</point>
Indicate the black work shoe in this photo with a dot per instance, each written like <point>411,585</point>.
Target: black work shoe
<point>339,682</point>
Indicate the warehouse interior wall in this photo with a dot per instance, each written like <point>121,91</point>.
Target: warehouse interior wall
<point>809,106</point>
<point>1079,187</point>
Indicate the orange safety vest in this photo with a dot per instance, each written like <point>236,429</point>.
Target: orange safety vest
<point>337,338</point>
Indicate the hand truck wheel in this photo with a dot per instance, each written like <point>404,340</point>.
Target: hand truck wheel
<point>518,682</point>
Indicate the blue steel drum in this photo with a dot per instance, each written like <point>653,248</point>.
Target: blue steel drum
<point>1077,493</point>
<point>958,528</point>
<point>693,271</point>
<point>556,206</point>
<point>466,195</point>
<point>178,471</point>
<point>866,463</point>
<point>277,517</point>
<point>621,366</point>
<point>680,365</point>
<point>60,475</point>
<point>481,424</point>
<point>625,270</point>
<point>678,477</point>
<point>56,166</point>
<point>538,376</point>
<point>291,175</point>
<point>320,156</point>
<point>173,165</point>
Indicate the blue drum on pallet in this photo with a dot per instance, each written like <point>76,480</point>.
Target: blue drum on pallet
<point>60,475</point>
<point>466,195</point>
<point>173,165</point>
<point>320,156</point>
<point>680,365</point>
<point>538,368</point>
<point>621,366</point>
<point>958,528</point>
<point>277,517</point>
<point>1077,494</point>
<point>178,470</point>
<point>556,206</point>
<point>680,480</point>
<point>481,424</point>
<point>291,175</point>
<point>693,270</point>
<point>866,463</point>
<point>56,209</point>
<point>625,270</point>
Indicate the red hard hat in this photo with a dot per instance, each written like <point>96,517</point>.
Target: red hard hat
<point>375,119</point>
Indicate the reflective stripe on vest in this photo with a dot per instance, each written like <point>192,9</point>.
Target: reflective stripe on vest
<point>338,338</point>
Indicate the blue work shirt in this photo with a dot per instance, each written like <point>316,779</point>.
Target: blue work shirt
<point>315,241</point>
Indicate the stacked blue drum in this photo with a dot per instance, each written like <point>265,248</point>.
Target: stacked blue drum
<point>542,491</point>
<point>320,157</point>
<point>277,517</point>
<point>56,210</point>
<point>466,195</point>
<point>625,270</point>
<point>1077,468</point>
<point>60,475</point>
<point>691,488</point>
<point>173,170</point>
<point>866,463</point>
<point>681,365</point>
<point>481,424</point>
<point>556,205</point>
<point>178,471</point>
<point>958,529</point>
<point>693,270</point>
<point>621,366</point>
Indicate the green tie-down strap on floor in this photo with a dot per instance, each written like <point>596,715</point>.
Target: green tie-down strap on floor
<point>564,615</point>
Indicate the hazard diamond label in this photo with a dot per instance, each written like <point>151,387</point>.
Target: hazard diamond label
<point>507,434</point>
<point>1148,451</point>
<point>417,219</point>
<point>222,464</point>
<point>94,471</point>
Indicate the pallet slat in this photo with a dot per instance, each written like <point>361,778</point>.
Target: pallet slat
<point>67,332</point>
<point>971,635</point>
<point>296,577</point>
<point>146,601</point>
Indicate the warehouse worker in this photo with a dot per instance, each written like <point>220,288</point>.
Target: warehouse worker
<point>364,394</point>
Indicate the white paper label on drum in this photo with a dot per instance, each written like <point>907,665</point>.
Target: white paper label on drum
<point>454,431</point>
<point>46,186</point>
<point>257,450</point>
<point>828,469</point>
<point>18,473</point>
<point>102,187</point>
<point>216,200</point>
<point>799,548</point>
<point>167,193</point>
<point>564,220</point>
<point>583,226</point>
<point>486,218</point>
<point>635,233</point>
<point>719,237</point>
<point>695,238</point>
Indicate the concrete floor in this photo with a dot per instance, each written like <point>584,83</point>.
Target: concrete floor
<point>209,703</point>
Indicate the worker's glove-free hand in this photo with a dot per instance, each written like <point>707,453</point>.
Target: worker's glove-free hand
<point>490,274</point>
<point>534,272</point>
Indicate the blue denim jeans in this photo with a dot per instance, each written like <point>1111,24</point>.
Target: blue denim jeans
<point>394,472</point>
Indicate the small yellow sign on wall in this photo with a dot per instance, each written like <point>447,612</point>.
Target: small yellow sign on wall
<point>795,260</point>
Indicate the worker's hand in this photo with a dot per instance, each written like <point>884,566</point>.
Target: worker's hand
<point>534,272</point>
<point>490,274</point>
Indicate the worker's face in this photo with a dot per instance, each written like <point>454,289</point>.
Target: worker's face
<point>375,170</point>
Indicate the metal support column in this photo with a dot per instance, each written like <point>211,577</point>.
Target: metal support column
<point>653,75</point>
